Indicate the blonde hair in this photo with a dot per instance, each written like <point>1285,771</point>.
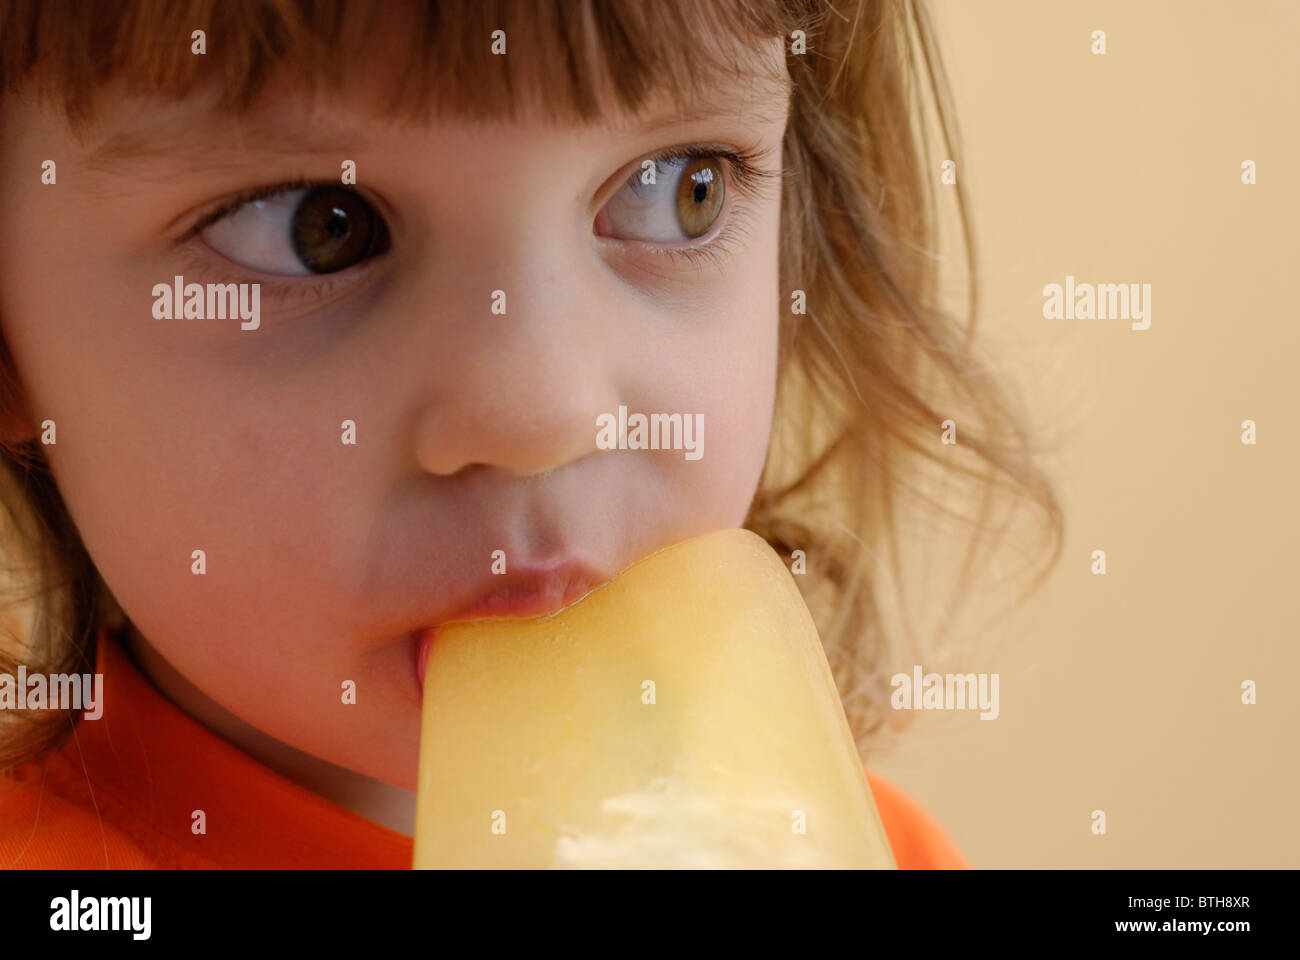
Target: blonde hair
<point>867,374</point>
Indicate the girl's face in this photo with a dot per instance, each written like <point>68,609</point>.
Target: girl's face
<point>326,549</point>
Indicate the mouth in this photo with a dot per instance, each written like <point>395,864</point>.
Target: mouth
<point>518,596</point>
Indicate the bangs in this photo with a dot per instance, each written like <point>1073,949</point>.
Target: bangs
<point>568,59</point>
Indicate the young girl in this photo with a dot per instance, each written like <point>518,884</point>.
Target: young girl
<point>310,308</point>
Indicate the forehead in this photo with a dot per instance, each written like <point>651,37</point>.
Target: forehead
<point>179,133</point>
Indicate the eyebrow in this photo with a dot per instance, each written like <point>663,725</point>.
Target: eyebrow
<point>167,141</point>
<point>159,140</point>
<point>753,108</point>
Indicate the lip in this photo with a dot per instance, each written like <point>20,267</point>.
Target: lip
<point>517,595</point>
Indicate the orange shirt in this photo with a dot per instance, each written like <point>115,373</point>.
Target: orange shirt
<point>122,791</point>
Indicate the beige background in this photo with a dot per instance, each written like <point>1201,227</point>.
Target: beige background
<point>1123,692</point>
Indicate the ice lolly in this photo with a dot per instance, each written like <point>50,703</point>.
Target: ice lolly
<point>681,715</point>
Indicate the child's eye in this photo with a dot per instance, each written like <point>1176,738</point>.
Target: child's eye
<point>682,203</point>
<point>318,229</point>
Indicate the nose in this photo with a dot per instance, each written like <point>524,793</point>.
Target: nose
<point>523,390</point>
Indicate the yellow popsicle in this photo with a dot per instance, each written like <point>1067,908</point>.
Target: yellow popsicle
<point>681,715</point>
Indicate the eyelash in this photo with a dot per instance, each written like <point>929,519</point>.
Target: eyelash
<point>746,173</point>
<point>750,179</point>
<point>248,196</point>
<point>287,292</point>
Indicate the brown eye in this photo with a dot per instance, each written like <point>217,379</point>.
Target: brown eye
<point>667,201</point>
<point>699,195</point>
<point>333,229</point>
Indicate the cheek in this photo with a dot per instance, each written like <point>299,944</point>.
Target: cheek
<point>745,423</point>
<point>752,387</point>
<point>159,455</point>
<point>736,380</point>
<point>182,481</point>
